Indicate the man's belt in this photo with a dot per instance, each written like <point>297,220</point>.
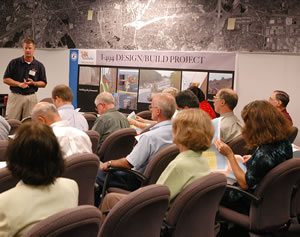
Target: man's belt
<point>23,93</point>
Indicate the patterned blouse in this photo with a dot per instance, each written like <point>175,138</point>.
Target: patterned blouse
<point>265,158</point>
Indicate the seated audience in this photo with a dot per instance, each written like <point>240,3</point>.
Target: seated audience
<point>267,129</point>
<point>142,123</point>
<point>192,133</point>
<point>186,99</point>
<point>62,96</point>
<point>149,143</point>
<point>280,100</point>
<point>110,119</point>
<point>4,128</point>
<point>71,140</point>
<point>204,105</point>
<point>224,103</point>
<point>34,157</point>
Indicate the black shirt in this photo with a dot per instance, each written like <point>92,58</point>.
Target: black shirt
<point>18,69</point>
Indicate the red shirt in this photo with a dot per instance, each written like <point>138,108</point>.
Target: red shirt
<point>287,115</point>
<point>204,105</point>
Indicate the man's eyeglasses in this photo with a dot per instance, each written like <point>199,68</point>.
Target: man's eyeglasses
<point>152,107</point>
<point>216,97</point>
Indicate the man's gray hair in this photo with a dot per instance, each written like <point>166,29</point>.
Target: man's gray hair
<point>44,109</point>
<point>166,103</point>
<point>104,97</point>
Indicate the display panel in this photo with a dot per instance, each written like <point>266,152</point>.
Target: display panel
<point>88,87</point>
<point>218,81</point>
<point>127,88</point>
<point>191,78</point>
<point>155,81</point>
<point>89,75</point>
<point>108,79</point>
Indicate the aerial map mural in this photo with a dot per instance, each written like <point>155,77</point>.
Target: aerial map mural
<point>180,25</point>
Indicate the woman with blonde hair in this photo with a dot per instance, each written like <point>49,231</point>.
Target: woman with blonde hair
<point>192,133</point>
<point>267,129</point>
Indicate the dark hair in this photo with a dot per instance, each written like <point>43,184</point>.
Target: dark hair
<point>187,98</point>
<point>28,41</point>
<point>64,92</point>
<point>264,124</point>
<point>283,97</point>
<point>198,92</point>
<point>230,97</point>
<point>34,156</point>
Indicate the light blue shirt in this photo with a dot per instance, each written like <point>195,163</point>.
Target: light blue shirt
<point>149,144</point>
<point>76,119</point>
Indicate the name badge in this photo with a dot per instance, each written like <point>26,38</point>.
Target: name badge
<point>32,73</point>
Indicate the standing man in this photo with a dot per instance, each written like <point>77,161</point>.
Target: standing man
<point>62,97</point>
<point>24,76</point>
<point>280,100</point>
<point>110,119</point>
<point>224,102</point>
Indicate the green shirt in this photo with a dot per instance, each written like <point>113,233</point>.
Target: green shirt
<point>112,120</point>
<point>182,171</point>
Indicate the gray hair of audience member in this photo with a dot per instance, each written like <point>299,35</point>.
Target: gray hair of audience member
<point>44,109</point>
<point>171,90</point>
<point>104,97</point>
<point>187,99</point>
<point>166,103</point>
<point>283,97</point>
<point>230,97</point>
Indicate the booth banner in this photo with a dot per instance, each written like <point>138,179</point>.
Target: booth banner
<point>222,61</point>
<point>87,56</point>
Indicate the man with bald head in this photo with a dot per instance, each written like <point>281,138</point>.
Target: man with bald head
<point>224,102</point>
<point>110,119</point>
<point>71,140</point>
<point>149,143</point>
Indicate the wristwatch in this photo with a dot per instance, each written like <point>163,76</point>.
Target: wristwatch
<point>108,164</point>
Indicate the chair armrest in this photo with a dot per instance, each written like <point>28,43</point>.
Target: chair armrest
<point>245,193</point>
<point>138,175</point>
<point>111,170</point>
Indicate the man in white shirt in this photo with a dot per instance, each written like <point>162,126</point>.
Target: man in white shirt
<point>71,140</point>
<point>62,96</point>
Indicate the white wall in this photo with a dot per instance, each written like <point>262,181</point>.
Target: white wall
<point>56,62</point>
<point>258,75</point>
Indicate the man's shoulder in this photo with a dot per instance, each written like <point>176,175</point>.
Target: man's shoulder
<point>17,60</point>
<point>162,127</point>
<point>113,113</point>
<point>37,62</point>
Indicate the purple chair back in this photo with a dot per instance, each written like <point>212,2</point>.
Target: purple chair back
<point>117,145</point>
<point>3,148</point>
<point>194,209</point>
<point>78,221</point>
<point>138,214</point>
<point>95,137</point>
<point>83,168</point>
